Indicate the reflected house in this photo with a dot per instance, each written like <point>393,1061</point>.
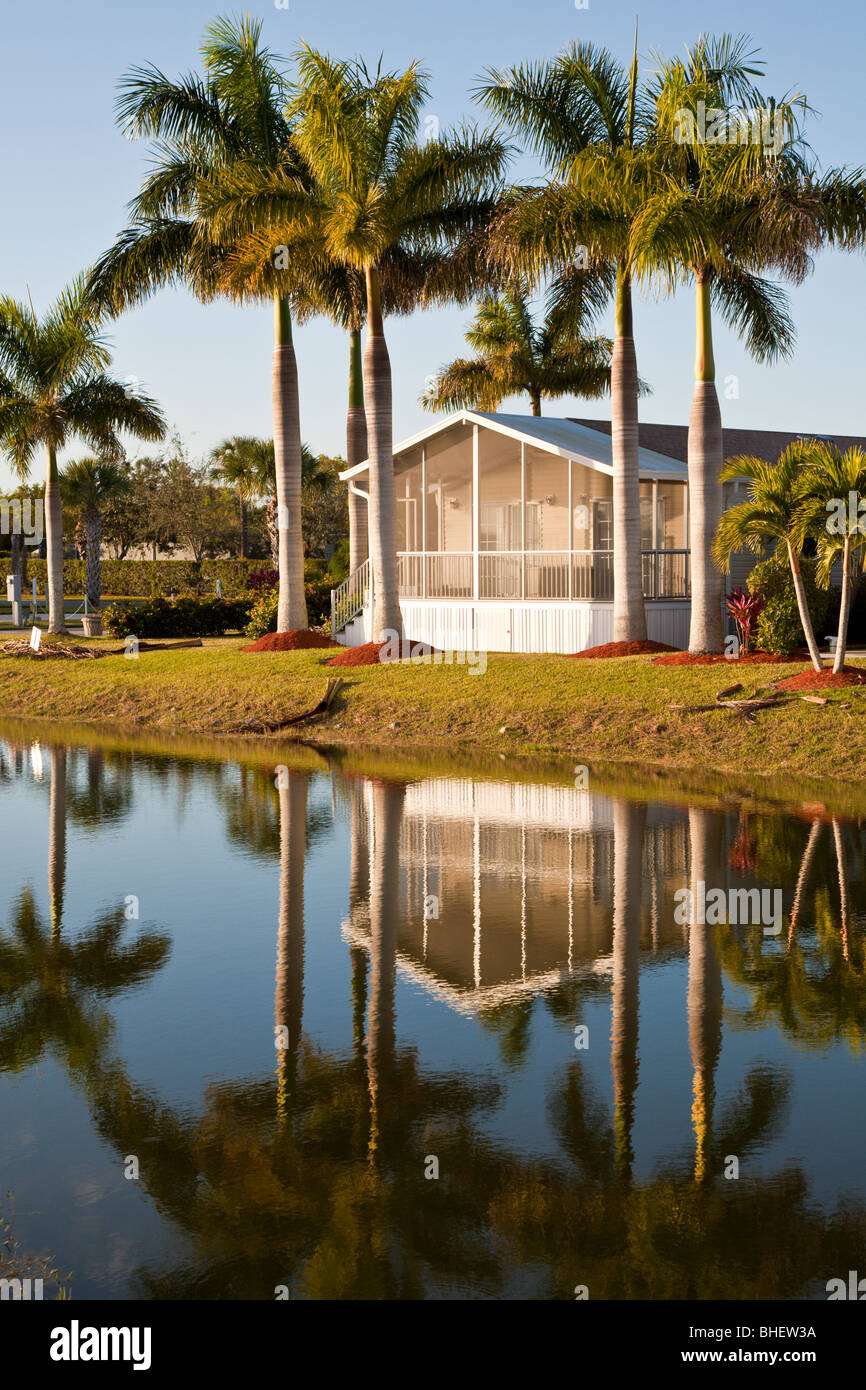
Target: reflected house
<point>505,538</point>
<point>506,890</point>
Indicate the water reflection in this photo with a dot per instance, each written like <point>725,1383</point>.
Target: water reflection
<point>476,911</point>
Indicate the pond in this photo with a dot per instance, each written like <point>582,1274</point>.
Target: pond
<point>318,1029</point>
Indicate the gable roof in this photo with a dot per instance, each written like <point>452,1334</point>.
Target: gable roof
<point>673,440</point>
<point>570,439</point>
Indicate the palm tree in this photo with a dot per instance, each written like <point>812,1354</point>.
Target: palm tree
<point>835,485</point>
<point>583,113</point>
<point>515,355</point>
<point>89,484</point>
<point>775,510</point>
<point>233,465</point>
<point>707,220</point>
<point>54,387</point>
<point>204,128</point>
<point>376,191</point>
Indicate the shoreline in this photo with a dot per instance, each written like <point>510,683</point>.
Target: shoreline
<point>525,712</point>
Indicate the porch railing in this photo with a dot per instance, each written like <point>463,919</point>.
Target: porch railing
<point>513,574</point>
<point>516,574</point>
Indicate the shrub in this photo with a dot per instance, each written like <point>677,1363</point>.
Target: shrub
<point>263,616</point>
<point>262,579</point>
<point>317,592</point>
<point>180,617</point>
<point>779,628</point>
<point>745,607</point>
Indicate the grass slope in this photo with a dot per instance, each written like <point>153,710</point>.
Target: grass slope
<point>589,711</point>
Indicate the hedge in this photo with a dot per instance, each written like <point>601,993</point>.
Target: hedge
<point>181,617</point>
<point>149,578</point>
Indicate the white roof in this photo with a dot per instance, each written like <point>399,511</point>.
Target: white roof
<point>566,438</point>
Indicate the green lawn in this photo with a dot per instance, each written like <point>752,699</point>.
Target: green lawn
<point>551,706</point>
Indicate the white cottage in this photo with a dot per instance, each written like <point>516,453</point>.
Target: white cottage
<point>505,538</point>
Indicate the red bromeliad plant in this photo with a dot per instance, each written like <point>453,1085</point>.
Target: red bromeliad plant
<point>745,608</point>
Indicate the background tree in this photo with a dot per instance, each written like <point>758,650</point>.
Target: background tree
<point>89,484</point>
<point>53,388</point>
<point>516,356</point>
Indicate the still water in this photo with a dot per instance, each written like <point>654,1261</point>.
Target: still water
<point>346,1034</point>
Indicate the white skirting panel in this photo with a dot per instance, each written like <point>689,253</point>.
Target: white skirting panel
<point>530,626</point>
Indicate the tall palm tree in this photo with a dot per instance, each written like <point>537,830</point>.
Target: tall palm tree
<point>775,511</point>
<point>706,220</point>
<point>835,485</point>
<point>202,128</point>
<point>54,387</point>
<point>294,261</point>
<point>515,355</point>
<point>376,190</point>
<point>585,115</point>
<point>89,484</point>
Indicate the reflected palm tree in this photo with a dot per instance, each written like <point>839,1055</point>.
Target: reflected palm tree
<point>707,867</point>
<point>51,987</point>
<point>629,823</point>
<point>814,990</point>
<point>289,999</point>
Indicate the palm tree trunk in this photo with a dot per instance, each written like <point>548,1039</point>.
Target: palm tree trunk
<point>242,504</point>
<point>292,610</point>
<point>383,503</point>
<point>93,532</point>
<point>384,910</point>
<point>15,559</point>
<point>705,998</point>
<point>535,403</point>
<point>802,878</point>
<point>629,823</point>
<point>803,606</point>
<point>629,614</point>
<point>54,544</point>
<point>356,452</point>
<point>289,995</point>
<point>57,837</point>
<point>844,608</point>
<point>705,459</point>
<point>842,870</point>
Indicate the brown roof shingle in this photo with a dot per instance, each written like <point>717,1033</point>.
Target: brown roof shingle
<point>672,440</point>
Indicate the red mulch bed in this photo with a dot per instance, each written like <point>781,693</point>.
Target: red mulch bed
<point>300,639</point>
<point>608,649</point>
<point>719,659</point>
<point>823,680</point>
<point>369,653</point>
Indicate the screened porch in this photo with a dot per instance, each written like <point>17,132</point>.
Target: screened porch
<point>486,513</point>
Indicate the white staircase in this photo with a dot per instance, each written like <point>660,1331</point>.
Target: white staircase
<point>348,603</point>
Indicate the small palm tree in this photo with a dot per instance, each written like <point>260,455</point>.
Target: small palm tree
<point>54,387</point>
<point>776,510</point>
<point>835,486</point>
<point>515,355</point>
<point>90,484</point>
<point>234,464</point>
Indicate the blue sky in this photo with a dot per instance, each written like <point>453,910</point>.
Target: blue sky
<point>68,175</point>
